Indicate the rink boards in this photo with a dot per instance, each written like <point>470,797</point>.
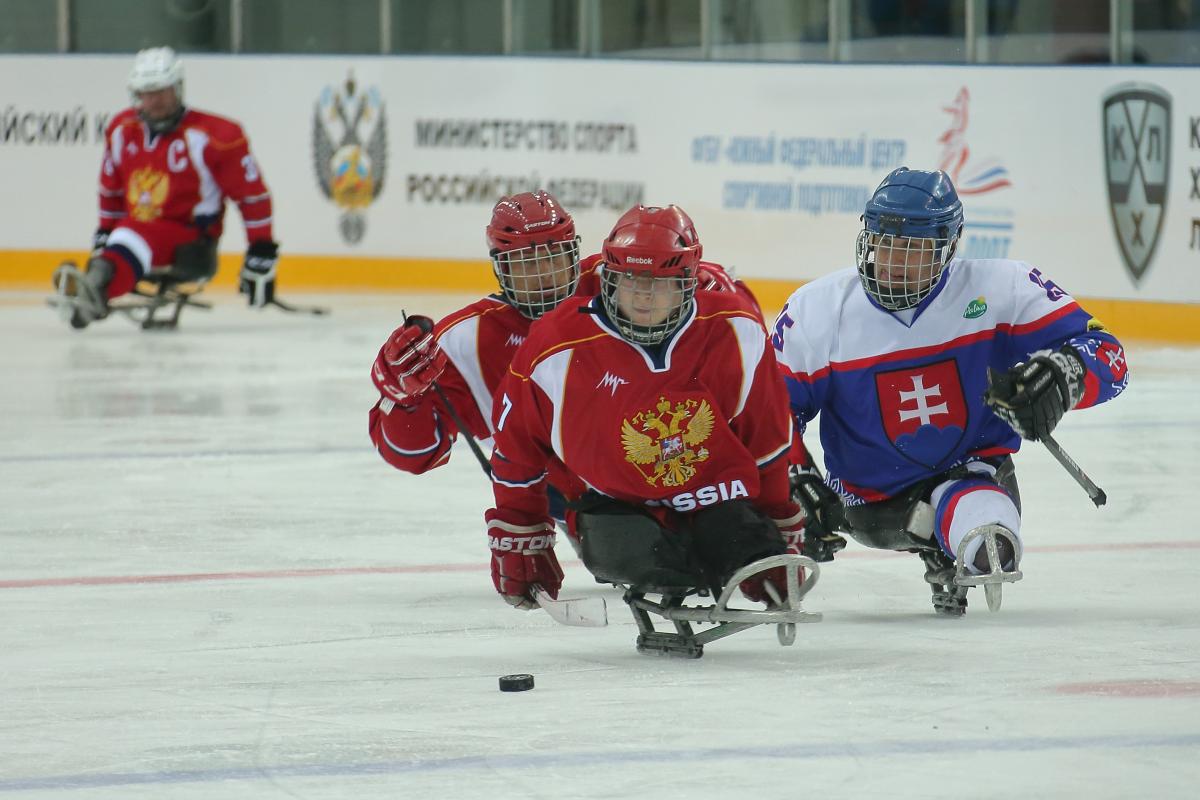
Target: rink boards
<point>383,177</point>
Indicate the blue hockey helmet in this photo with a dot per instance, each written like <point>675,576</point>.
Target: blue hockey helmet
<point>911,227</point>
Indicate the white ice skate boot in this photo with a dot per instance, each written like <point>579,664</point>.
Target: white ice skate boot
<point>82,298</point>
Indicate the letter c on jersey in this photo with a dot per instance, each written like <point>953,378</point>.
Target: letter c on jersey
<point>177,156</point>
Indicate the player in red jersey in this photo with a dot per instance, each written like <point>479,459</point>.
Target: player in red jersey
<point>667,405</point>
<point>166,173</point>
<point>534,250</point>
<point>535,256</point>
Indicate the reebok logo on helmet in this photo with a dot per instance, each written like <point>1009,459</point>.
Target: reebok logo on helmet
<point>638,260</point>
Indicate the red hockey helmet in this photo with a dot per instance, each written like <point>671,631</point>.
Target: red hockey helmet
<point>649,278</point>
<point>534,250</point>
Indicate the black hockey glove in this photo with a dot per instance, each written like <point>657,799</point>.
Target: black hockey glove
<point>99,240</point>
<point>258,273</point>
<point>1033,395</point>
<point>824,514</point>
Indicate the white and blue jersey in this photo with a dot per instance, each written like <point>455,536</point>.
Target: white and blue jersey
<point>900,394</point>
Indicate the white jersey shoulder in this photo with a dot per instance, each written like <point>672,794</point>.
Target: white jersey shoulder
<point>831,320</point>
<point>812,318</point>
<point>460,342</point>
<point>1021,292</point>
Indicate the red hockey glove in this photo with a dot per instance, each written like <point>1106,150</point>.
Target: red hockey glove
<point>790,521</point>
<point>522,557</point>
<point>409,362</point>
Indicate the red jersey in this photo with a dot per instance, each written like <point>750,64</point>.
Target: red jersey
<point>696,421</point>
<point>479,341</point>
<point>182,176</point>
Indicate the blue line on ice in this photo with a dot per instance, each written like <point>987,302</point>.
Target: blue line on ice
<point>797,752</point>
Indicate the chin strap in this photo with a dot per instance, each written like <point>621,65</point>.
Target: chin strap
<point>161,126</point>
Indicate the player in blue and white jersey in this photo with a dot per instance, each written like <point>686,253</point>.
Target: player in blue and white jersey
<point>927,371</point>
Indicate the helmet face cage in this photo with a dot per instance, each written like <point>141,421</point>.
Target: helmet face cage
<point>646,306</point>
<point>911,227</point>
<point>538,278</point>
<point>900,271</point>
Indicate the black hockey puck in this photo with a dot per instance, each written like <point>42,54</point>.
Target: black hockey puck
<point>516,683</point>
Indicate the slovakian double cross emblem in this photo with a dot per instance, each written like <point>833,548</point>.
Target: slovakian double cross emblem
<point>923,411</point>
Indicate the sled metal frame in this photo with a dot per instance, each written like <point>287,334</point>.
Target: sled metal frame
<point>685,642</point>
<point>157,292</point>
<point>992,582</point>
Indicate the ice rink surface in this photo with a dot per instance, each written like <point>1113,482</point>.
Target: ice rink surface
<point>211,586</point>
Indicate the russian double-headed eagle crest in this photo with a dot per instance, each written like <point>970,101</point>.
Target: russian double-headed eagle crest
<point>146,193</point>
<point>350,151</point>
<point>664,443</point>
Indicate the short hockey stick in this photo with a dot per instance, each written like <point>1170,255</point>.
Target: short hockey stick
<point>576,612</point>
<point>317,311</point>
<point>579,612</point>
<point>462,429</point>
<point>1096,494</point>
<point>1002,388</point>
<point>584,613</point>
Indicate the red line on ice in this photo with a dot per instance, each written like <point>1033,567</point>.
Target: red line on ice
<point>416,569</point>
<point>106,580</point>
<point>1152,687</point>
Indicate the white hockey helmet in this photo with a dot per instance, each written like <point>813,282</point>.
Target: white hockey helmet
<point>156,68</point>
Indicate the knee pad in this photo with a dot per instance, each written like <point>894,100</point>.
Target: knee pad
<point>730,535</point>
<point>622,544</point>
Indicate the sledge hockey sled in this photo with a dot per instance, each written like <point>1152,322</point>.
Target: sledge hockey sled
<point>949,580</point>
<point>171,289</point>
<point>151,295</point>
<point>160,293</point>
<point>166,290</point>
<point>685,641</point>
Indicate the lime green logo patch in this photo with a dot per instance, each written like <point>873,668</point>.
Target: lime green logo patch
<point>976,308</point>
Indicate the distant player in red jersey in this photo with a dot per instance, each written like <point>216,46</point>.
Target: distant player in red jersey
<point>665,403</point>
<point>166,173</point>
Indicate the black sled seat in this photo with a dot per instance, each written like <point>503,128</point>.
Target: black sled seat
<point>172,288</point>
